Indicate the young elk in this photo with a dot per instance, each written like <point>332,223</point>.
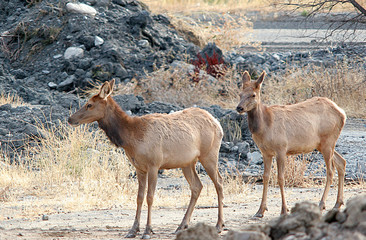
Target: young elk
<point>293,129</point>
<point>159,141</point>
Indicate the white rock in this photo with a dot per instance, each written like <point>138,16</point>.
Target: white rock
<point>81,8</point>
<point>57,56</point>
<point>143,43</point>
<point>98,41</point>
<point>52,85</point>
<point>73,52</point>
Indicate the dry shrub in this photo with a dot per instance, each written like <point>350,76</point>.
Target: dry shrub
<point>12,99</point>
<point>225,30</point>
<point>295,167</point>
<point>343,83</point>
<point>70,168</point>
<point>187,6</point>
<point>232,130</point>
<point>175,86</point>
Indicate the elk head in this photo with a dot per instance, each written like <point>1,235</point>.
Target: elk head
<point>94,109</point>
<point>250,93</point>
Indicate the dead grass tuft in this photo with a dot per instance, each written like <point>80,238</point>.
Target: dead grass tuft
<point>225,30</point>
<point>73,167</point>
<point>343,83</point>
<point>12,99</point>
<point>179,89</point>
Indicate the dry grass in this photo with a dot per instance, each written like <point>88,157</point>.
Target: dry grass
<point>225,30</point>
<point>221,6</point>
<point>345,84</point>
<point>234,6</point>
<point>71,168</point>
<point>179,89</point>
<point>296,167</point>
<point>12,99</point>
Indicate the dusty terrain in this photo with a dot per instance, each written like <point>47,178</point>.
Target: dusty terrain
<point>114,223</point>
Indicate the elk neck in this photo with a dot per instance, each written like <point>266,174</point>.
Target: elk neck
<point>259,118</point>
<point>119,127</point>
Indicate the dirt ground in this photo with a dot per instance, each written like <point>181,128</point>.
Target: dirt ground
<point>114,223</point>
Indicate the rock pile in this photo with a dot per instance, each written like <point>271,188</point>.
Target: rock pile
<point>305,222</point>
<point>68,45</point>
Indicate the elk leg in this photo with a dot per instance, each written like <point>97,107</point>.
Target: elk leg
<point>152,180</point>
<point>196,186</point>
<point>210,165</point>
<point>328,158</point>
<point>267,160</point>
<point>141,176</point>
<point>340,164</point>
<point>281,158</point>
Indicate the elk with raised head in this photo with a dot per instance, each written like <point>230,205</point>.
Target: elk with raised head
<point>281,130</point>
<point>159,141</point>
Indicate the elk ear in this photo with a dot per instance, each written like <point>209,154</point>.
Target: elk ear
<point>106,89</point>
<point>259,81</point>
<point>246,78</point>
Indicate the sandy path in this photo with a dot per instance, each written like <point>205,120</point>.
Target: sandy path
<point>114,223</point>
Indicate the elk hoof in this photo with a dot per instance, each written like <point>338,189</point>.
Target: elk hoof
<point>147,233</point>
<point>131,235</point>
<point>146,236</point>
<point>338,205</point>
<point>220,227</point>
<point>258,215</point>
<point>181,227</point>
<point>322,206</point>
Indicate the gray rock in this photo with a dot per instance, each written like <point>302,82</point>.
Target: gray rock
<point>98,41</point>
<point>143,43</point>
<point>66,84</point>
<point>81,8</point>
<point>255,158</point>
<point>73,52</point>
<point>246,235</point>
<point>200,231</point>
<point>243,147</point>
<point>356,211</point>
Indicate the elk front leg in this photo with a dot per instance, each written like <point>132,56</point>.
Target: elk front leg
<point>152,180</point>
<point>267,160</point>
<point>141,176</point>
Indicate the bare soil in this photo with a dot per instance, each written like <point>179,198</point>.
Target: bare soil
<point>115,223</point>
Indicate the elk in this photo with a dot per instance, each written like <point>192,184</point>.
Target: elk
<point>281,130</point>
<point>159,141</point>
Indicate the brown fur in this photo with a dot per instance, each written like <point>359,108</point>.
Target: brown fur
<point>282,130</point>
<point>159,141</point>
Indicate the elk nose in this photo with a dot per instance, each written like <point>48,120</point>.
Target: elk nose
<point>239,109</point>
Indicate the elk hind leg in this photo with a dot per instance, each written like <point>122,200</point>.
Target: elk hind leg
<point>209,162</point>
<point>340,164</point>
<point>196,186</point>
<point>328,158</point>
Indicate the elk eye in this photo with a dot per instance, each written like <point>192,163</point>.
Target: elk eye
<point>253,95</point>
<point>88,106</point>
